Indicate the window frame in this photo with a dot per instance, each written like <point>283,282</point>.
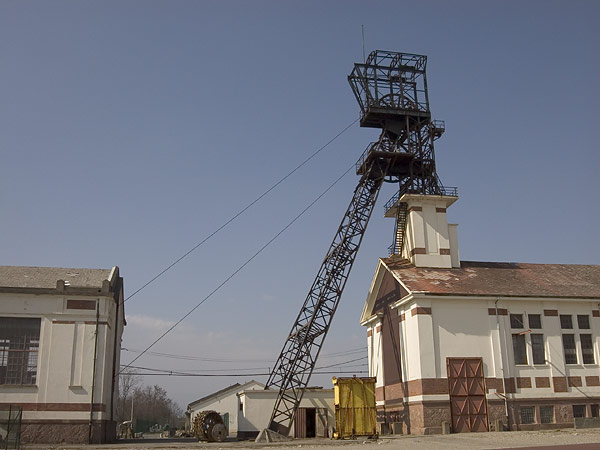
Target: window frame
<point>566,318</point>
<point>574,349</point>
<point>19,350</point>
<point>516,337</point>
<point>587,351</point>
<point>542,416</point>
<point>532,326</point>
<point>528,408</point>
<point>541,345</point>
<point>518,319</point>
<point>585,317</point>
<point>584,411</point>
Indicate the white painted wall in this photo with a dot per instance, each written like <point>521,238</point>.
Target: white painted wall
<point>66,354</point>
<point>428,229</point>
<point>227,402</point>
<point>462,327</point>
<point>258,406</point>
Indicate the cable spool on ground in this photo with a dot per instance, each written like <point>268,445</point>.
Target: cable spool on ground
<point>209,426</point>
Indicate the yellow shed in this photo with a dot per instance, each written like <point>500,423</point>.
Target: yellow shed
<point>355,410</point>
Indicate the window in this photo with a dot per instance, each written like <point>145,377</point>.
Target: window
<point>527,415</point>
<point>537,347</point>
<point>241,406</point>
<point>569,348</point>
<point>19,342</point>
<point>519,349</point>
<point>547,414</point>
<point>566,321</point>
<point>587,349</point>
<point>578,410</point>
<point>535,321</point>
<point>516,321</point>
<point>583,322</point>
<point>594,409</point>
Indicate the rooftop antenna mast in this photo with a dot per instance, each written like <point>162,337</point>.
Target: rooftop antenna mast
<point>391,89</point>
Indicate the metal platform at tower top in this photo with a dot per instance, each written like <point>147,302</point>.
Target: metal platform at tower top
<point>389,87</point>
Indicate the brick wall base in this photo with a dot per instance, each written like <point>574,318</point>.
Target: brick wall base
<point>67,432</point>
<point>427,417</point>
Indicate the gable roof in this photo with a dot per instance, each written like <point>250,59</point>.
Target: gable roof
<point>499,279</point>
<point>234,388</point>
<point>21,277</point>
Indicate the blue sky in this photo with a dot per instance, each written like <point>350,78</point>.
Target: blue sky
<point>131,130</point>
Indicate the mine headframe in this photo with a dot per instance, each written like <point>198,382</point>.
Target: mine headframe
<point>391,89</point>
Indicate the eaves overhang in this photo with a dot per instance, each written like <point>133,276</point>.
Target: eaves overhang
<point>416,296</point>
<point>370,320</point>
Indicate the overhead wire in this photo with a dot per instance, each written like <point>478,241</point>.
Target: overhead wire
<point>239,360</point>
<point>174,374</point>
<point>248,261</point>
<point>202,372</point>
<point>239,213</point>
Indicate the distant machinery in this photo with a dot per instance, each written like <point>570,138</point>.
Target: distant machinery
<point>391,89</point>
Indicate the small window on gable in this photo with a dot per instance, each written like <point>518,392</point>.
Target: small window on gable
<point>583,322</point>
<point>516,321</point>
<point>566,321</point>
<point>241,406</point>
<point>535,321</point>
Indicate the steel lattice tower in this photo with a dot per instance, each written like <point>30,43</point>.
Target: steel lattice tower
<point>391,89</point>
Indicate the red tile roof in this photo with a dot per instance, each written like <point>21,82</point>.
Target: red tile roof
<point>500,279</point>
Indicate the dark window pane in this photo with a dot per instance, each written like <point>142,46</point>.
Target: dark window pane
<point>537,347</point>
<point>519,349</point>
<point>578,410</point>
<point>583,322</point>
<point>594,410</point>
<point>527,415</point>
<point>569,348</point>
<point>566,321</point>
<point>547,414</point>
<point>587,349</point>
<point>535,321</point>
<point>19,342</point>
<point>516,321</point>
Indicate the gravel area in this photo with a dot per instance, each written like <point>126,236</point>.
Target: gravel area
<point>463,441</point>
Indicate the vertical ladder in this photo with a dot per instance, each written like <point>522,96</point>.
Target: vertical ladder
<point>400,232</point>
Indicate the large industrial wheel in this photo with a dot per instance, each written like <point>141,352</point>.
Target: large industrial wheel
<point>208,426</point>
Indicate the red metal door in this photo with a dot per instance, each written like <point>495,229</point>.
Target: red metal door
<point>300,423</point>
<point>466,385</point>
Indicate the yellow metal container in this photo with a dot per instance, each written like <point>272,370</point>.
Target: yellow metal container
<point>355,410</point>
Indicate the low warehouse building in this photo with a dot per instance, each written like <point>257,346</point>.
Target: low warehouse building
<point>226,402</point>
<point>479,345</point>
<point>60,341</point>
<point>247,408</point>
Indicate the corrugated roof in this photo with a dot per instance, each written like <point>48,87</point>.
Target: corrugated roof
<point>500,279</point>
<point>46,277</point>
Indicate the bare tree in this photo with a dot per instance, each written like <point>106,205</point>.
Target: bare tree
<point>154,405</point>
<point>129,381</point>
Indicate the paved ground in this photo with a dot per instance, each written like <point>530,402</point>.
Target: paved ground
<point>548,440</point>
